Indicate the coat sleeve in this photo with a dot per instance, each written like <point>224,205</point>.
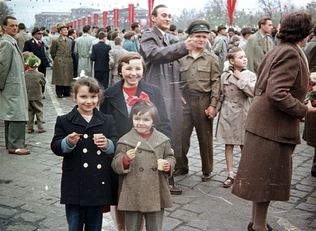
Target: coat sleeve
<point>43,81</point>
<point>27,46</point>
<point>112,60</point>
<point>117,162</point>
<point>112,133</point>
<point>154,53</point>
<point>217,47</point>
<point>250,55</point>
<point>215,82</point>
<point>103,105</point>
<point>53,49</point>
<point>168,155</point>
<point>164,125</point>
<point>283,74</point>
<point>247,83</point>
<point>6,53</point>
<point>92,55</point>
<point>59,135</point>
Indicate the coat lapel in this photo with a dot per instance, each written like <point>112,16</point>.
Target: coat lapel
<point>116,98</point>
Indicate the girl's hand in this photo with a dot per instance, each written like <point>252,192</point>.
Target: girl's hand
<point>166,167</point>
<point>130,154</point>
<point>101,142</point>
<point>73,138</point>
<point>237,74</point>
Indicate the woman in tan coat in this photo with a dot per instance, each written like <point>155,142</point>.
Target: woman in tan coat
<point>272,125</point>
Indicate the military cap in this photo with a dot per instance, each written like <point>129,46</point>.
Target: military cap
<point>59,26</point>
<point>199,26</point>
<point>33,61</point>
<point>35,31</point>
<point>220,27</point>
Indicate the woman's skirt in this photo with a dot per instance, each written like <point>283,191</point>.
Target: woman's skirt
<point>264,171</point>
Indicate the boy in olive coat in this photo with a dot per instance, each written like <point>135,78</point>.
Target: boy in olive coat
<point>34,82</point>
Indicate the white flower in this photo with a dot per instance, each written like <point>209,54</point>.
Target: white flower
<point>313,77</point>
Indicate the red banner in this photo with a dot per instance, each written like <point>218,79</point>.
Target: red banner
<point>230,9</point>
<point>96,19</point>
<point>83,21</point>
<point>130,15</point>
<point>150,8</point>
<point>75,24</point>
<point>116,17</point>
<point>105,18</point>
<point>89,20</point>
<point>79,26</point>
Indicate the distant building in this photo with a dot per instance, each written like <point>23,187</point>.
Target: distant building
<point>50,19</point>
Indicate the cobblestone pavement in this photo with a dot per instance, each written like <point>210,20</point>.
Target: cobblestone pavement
<point>29,188</point>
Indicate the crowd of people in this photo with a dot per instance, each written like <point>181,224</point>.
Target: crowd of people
<point>153,88</point>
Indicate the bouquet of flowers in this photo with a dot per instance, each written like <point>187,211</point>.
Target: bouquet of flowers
<point>311,94</point>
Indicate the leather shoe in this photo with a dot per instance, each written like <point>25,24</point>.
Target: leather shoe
<point>174,190</point>
<point>206,177</point>
<point>180,171</point>
<point>30,130</point>
<point>19,151</point>
<point>41,130</point>
<point>228,182</point>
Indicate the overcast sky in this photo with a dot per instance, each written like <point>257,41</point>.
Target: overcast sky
<point>26,9</point>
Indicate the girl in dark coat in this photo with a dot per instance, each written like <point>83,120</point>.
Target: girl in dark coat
<point>272,124</point>
<point>86,139</point>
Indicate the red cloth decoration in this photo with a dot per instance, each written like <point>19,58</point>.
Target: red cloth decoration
<point>131,100</point>
<point>130,91</point>
<point>230,9</point>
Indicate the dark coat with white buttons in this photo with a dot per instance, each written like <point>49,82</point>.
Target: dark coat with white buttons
<point>87,176</point>
<point>142,187</point>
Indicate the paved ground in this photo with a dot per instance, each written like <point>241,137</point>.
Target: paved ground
<point>29,188</point>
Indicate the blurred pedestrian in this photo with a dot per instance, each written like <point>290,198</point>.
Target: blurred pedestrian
<point>115,54</point>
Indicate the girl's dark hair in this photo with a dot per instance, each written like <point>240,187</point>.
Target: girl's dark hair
<point>126,58</point>
<point>93,84</point>
<point>232,53</point>
<point>143,107</point>
<point>295,27</point>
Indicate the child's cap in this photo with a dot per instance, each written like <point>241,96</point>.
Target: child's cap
<point>33,61</point>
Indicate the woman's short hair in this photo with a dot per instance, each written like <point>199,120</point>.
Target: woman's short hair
<point>126,58</point>
<point>295,27</point>
<point>129,35</point>
<point>92,83</point>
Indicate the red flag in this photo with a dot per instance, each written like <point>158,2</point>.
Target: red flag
<point>230,9</point>
<point>96,19</point>
<point>105,18</point>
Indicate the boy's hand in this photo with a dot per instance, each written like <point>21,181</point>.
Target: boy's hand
<point>166,167</point>
<point>130,154</point>
<point>101,142</point>
<point>73,138</point>
<point>237,74</point>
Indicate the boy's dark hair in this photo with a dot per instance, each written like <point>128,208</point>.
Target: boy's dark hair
<point>21,26</point>
<point>126,58</point>
<point>173,27</point>
<point>141,107</point>
<point>101,35</point>
<point>86,28</point>
<point>117,41</point>
<point>92,83</point>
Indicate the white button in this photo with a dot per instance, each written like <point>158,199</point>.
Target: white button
<point>99,166</point>
<point>103,183</point>
<point>85,165</point>
<point>99,152</point>
<point>85,150</point>
<point>85,136</point>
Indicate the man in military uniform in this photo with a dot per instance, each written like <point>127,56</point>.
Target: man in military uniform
<point>200,88</point>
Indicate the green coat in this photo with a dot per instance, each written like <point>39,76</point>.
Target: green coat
<point>13,98</point>
<point>255,50</point>
<point>82,51</point>
<point>141,186</point>
<point>63,68</point>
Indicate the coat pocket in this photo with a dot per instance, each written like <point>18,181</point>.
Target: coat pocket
<point>184,73</point>
<point>204,73</point>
